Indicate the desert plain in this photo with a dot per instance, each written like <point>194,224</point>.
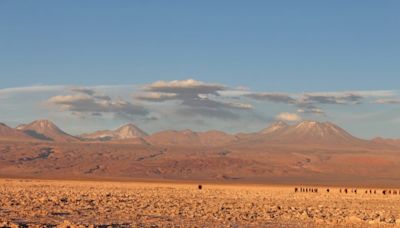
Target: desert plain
<point>48,203</point>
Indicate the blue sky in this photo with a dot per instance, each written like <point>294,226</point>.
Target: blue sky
<point>290,47</point>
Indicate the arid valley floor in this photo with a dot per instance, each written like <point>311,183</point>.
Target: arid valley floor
<point>141,204</point>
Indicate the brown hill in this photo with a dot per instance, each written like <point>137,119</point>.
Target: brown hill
<point>215,138</point>
<point>272,128</point>
<point>190,138</point>
<point>128,131</point>
<point>9,133</point>
<point>384,141</point>
<point>46,130</point>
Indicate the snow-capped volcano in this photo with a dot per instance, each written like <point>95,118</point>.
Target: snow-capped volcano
<point>128,131</point>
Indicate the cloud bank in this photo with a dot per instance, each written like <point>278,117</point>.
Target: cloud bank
<point>84,101</point>
<point>187,103</point>
<point>194,98</point>
<point>285,116</point>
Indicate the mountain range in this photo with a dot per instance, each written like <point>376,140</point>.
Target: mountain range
<point>306,152</point>
<point>302,133</point>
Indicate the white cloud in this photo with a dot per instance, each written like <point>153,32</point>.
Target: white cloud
<point>8,93</point>
<point>364,93</point>
<point>32,89</point>
<point>286,116</point>
<point>311,111</point>
<point>188,83</point>
<point>387,101</point>
<point>187,87</point>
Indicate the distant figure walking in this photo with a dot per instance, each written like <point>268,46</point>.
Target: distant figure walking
<point>345,190</point>
<point>200,187</point>
<point>384,192</point>
<point>327,190</point>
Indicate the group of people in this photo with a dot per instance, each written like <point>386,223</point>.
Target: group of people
<point>391,192</point>
<point>312,190</point>
<point>372,191</point>
<point>347,191</point>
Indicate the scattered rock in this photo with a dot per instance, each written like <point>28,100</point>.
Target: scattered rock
<point>97,204</point>
<point>354,219</point>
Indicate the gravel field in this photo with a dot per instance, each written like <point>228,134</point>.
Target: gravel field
<point>39,203</point>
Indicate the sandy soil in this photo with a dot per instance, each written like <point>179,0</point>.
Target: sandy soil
<point>127,204</point>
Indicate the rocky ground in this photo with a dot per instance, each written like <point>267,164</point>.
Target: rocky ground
<point>121,204</point>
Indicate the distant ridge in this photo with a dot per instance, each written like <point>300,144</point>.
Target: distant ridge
<point>391,142</point>
<point>188,137</point>
<point>305,132</point>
